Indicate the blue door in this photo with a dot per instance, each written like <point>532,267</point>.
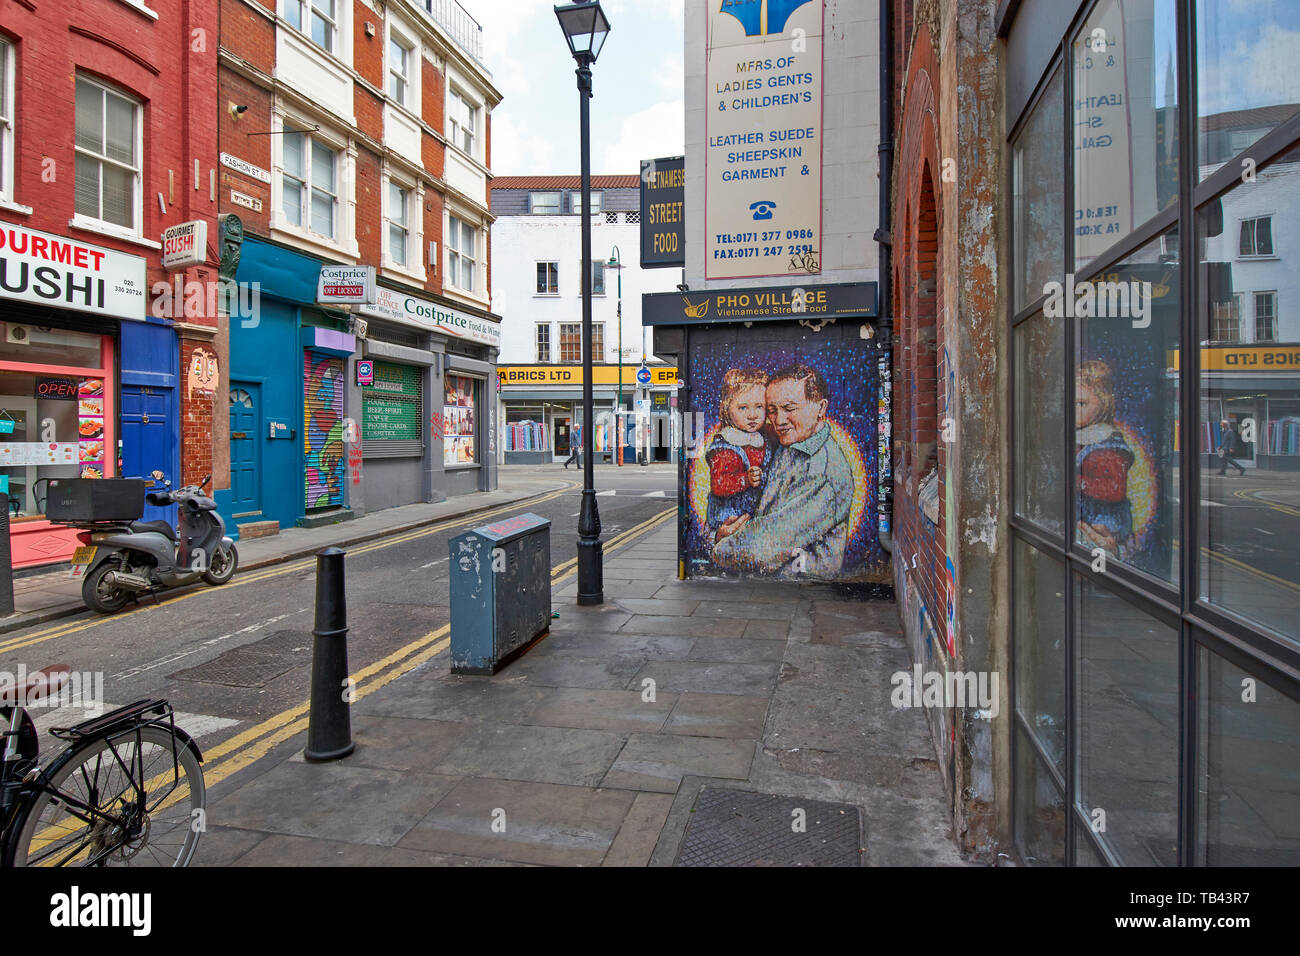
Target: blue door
<point>245,449</point>
<point>147,440</point>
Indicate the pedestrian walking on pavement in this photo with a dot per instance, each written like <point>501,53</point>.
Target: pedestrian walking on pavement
<point>1228,448</point>
<point>575,447</point>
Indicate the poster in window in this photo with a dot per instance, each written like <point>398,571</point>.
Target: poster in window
<point>458,413</point>
<point>90,428</point>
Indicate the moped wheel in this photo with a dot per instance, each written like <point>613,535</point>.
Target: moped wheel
<point>224,562</point>
<point>101,596</point>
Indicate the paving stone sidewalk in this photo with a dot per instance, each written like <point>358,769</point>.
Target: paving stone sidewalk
<point>772,688</point>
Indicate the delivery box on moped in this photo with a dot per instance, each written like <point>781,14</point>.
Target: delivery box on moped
<point>75,500</point>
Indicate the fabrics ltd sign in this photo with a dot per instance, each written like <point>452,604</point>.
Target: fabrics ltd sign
<point>763,155</point>
<point>409,310</point>
<point>46,269</point>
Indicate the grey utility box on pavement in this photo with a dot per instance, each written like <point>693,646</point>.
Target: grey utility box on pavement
<point>500,592</point>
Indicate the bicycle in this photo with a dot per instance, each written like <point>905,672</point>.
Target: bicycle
<point>127,789</point>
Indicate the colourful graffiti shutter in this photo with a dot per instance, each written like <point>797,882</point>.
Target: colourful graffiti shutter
<point>325,461</point>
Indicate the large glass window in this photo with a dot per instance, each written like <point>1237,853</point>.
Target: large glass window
<point>1040,421</point>
<point>308,182</point>
<point>108,156</point>
<point>458,445</point>
<point>1249,433</point>
<point>1040,649</point>
<point>544,204</point>
<point>1038,168</point>
<point>1247,80</point>
<point>1249,788</point>
<point>1125,121</point>
<point>1040,809</point>
<point>1126,411</point>
<point>1127,764</point>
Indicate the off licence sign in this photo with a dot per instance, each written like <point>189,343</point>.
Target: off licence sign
<point>354,284</point>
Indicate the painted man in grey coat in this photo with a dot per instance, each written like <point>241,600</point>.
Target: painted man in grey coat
<point>800,527</point>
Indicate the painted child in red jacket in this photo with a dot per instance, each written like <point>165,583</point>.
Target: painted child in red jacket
<point>1103,459</point>
<point>739,452</point>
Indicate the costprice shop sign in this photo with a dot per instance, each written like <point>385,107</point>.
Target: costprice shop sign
<point>45,269</point>
<point>763,157</point>
<point>412,311</point>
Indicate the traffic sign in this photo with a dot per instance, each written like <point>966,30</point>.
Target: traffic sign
<point>643,376</point>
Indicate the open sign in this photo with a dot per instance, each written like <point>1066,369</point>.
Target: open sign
<point>59,389</point>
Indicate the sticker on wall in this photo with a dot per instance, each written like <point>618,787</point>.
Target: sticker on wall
<point>203,375</point>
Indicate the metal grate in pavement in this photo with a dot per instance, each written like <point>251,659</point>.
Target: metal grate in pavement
<point>743,828</point>
<point>255,664</point>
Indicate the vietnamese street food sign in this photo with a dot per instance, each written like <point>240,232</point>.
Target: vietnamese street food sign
<point>773,303</point>
<point>663,219</point>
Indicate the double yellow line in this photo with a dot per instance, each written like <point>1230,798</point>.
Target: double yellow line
<point>263,574</point>
<point>240,751</point>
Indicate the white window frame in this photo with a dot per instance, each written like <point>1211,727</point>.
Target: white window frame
<point>304,10</point>
<point>457,257</point>
<point>539,329</point>
<point>1254,301</point>
<point>309,187</point>
<point>596,264</point>
<point>598,335</point>
<point>411,79</point>
<point>560,359</point>
<point>458,101</point>
<point>7,120</point>
<point>98,223</point>
<point>1254,238</point>
<point>597,201</point>
<point>403,225</point>
<point>554,289</point>
<point>344,244</point>
<point>538,209</point>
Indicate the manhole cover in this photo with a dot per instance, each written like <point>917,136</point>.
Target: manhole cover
<point>255,664</point>
<point>740,828</point>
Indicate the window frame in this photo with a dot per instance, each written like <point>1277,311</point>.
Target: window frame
<point>137,148</point>
<point>458,102</point>
<point>407,194</point>
<point>8,120</point>
<point>574,341</point>
<point>598,272</point>
<point>1272,299</point>
<point>305,10</point>
<point>406,39</point>
<point>1254,222</point>
<point>307,183</point>
<point>597,201</point>
<point>542,342</point>
<point>456,256</point>
<point>535,208</point>
<point>553,283</point>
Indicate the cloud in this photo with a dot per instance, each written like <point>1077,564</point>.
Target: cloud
<point>658,130</point>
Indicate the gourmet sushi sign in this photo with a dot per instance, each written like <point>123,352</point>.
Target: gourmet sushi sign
<point>46,269</point>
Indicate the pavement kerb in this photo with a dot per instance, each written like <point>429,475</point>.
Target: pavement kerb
<point>17,622</point>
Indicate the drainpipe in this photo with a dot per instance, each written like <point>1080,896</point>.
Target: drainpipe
<point>884,239</point>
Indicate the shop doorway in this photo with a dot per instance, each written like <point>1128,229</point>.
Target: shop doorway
<point>245,449</point>
<point>147,440</point>
<point>563,435</point>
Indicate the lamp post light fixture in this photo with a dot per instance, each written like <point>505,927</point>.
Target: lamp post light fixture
<point>585,28</point>
<point>616,263</point>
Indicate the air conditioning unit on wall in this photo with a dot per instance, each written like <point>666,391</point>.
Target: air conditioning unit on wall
<point>34,335</point>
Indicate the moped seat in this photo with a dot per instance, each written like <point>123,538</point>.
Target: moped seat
<point>162,527</point>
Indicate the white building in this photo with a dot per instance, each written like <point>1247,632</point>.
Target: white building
<point>537,290</point>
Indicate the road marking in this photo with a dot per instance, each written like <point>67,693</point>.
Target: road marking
<point>289,567</point>
<point>606,494</point>
<point>232,755</point>
<point>426,567</point>
<point>196,725</point>
<point>172,658</point>
<point>654,494</point>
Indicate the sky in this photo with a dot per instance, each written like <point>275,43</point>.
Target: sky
<point>636,112</point>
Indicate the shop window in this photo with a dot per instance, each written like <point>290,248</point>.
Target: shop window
<point>317,19</point>
<point>308,182</point>
<point>1126,413</point>
<point>462,120</point>
<point>1040,650</point>
<point>543,341</point>
<point>1265,316</point>
<point>1245,84</point>
<point>1249,557</point>
<point>544,204</point>
<point>1248,735</point>
<point>1126,105</point>
<point>1256,237</point>
<point>461,255</point>
<point>570,342</point>
<point>108,156</point>
<point>1127,742</point>
<point>6,119</point>
<point>1037,171</point>
<point>1040,809</point>
<point>548,278</point>
<point>399,229</point>
<point>459,407</point>
<point>392,411</point>
<point>597,201</point>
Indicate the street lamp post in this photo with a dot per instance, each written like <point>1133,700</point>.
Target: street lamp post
<point>585,28</point>
<point>615,262</point>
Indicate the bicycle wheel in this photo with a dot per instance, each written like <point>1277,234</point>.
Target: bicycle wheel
<point>103,773</point>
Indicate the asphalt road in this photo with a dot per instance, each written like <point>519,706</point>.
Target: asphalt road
<point>231,657</point>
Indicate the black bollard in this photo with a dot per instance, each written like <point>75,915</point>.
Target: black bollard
<point>6,562</point>
<point>329,727</point>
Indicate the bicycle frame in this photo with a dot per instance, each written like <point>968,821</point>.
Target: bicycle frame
<point>129,721</point>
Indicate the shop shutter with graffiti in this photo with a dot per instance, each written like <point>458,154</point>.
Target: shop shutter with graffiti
<point>323,452</point>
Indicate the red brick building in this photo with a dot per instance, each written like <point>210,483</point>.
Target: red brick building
<point>106,140</point>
